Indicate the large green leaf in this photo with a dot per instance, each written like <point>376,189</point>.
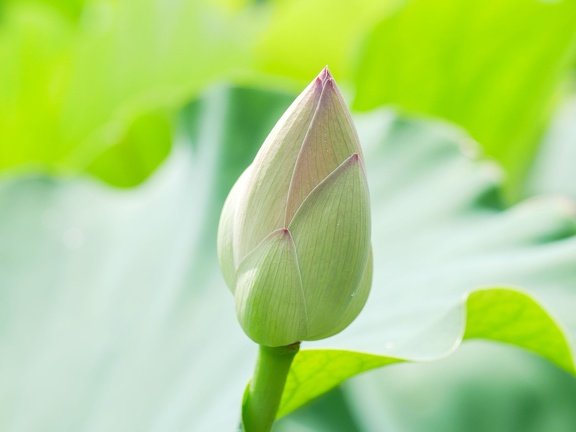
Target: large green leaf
<point>498,314</point>
<point>484,65</point>
<point>114,315</point>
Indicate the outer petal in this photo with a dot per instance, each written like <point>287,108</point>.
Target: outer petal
<point>330,140</point>
<point>269,297</point>
<point>226,231</point>
<point>263,208</point>
<point>357,304</point>
<point>331,231</point>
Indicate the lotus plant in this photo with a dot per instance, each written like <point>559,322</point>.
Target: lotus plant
<point>294,239</point>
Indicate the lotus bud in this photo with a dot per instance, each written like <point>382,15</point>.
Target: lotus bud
<point>294,234</point>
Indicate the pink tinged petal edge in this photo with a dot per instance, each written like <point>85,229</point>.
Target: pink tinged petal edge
<point>331,138</point>
<point>263,207</point>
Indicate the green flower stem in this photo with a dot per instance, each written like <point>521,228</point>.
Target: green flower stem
<point>265,392</point>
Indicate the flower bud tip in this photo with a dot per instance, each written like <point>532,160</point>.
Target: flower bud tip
<point>352,160</point>
<point>325,75</point>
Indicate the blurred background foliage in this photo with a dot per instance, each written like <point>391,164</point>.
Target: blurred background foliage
<point>84,83</point>
<point>99,88</point>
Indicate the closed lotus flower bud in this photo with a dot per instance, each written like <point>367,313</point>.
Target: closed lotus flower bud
<point>294,235</point>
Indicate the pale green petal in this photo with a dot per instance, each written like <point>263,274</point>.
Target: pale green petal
<point>331,139</point>
<point>269,298</point>
<point>226,231</point>
<point>356,305</point>
<point>262,209</point>
<point>331,231</point>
